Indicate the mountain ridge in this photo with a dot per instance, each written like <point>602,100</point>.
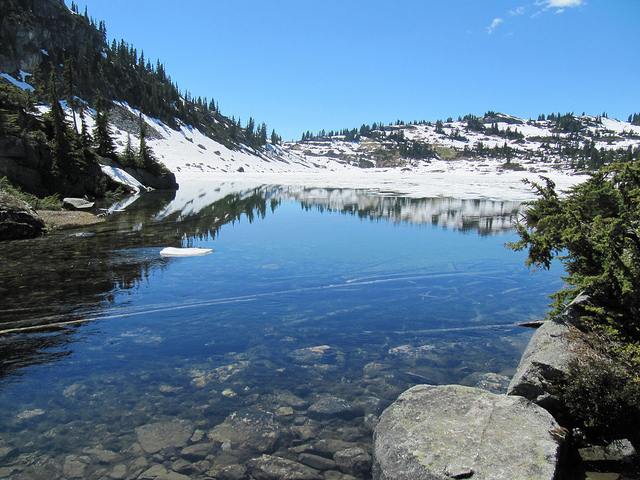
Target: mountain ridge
<point>192,136</point>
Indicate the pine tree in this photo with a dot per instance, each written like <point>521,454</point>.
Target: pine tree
<point>128,158</point>
<point>69,78</point>
<point>146,158</point>
<point>263,134</point>
<point>102,132</point>
<point>60,146</point>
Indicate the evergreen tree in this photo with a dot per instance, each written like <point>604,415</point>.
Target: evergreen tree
<point>102,131</point>
<point>69,78</point>
<point>263,134</point>
<point>128,158</point>
<point>146,159</point>
<point>60,145</point>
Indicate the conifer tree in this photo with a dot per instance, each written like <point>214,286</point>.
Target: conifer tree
<point>69,78</point>
<point>60,146</point>
<point>102,131</point>
<point>146,158</point>
<point>128,158</point>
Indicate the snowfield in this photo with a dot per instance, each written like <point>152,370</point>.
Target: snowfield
<point>335,163</point>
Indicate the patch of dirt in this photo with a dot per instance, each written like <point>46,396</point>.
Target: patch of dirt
<point>68,218</point>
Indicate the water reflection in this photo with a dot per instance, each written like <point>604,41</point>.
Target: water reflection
<point>66,278</point>
<point>308,295</point>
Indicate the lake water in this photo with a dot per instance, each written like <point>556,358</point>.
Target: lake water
<point>315,309</point>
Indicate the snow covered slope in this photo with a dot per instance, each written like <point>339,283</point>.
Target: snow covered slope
<point>461,161</point>
<point>455,171</point>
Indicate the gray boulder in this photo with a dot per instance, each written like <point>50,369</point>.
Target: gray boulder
<point>446,432</point>
<point>72,203</point>
<point>546,360</point>
<point>17,219</point>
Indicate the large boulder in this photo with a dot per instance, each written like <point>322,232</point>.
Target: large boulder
<point>546,359</point>
<point>447,432</point>
<point>17,219</point>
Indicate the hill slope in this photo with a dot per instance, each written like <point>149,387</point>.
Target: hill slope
<point>191,137</point>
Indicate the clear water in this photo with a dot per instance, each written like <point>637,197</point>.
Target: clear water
<point>301,296</point>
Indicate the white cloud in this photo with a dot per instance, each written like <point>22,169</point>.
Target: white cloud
<point>560,4</point>
<point>494,24</point>
<point>517,11</point>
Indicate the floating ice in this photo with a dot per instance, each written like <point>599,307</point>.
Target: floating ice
<point>184,252</point>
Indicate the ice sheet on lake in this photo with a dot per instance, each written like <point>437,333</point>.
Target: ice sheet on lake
<point>184,252</point>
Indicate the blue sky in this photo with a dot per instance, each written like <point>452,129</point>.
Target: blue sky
<point>301,65</point>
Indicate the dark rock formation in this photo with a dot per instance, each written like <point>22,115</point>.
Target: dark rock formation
<point>447,432</point>
<point>17,219</point>
<point>33,29</point>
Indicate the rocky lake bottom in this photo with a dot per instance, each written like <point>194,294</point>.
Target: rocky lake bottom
<point>271,357</point>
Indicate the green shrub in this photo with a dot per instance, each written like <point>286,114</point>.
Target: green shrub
<point>603,398</point>
<point>51,202</point>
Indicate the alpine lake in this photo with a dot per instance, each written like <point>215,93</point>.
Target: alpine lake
<point>314,311</point>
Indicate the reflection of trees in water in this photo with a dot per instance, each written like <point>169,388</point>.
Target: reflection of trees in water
<point>51,284</point>
<point>66,278</point>
<point>207,221</point>
<point>483,216</point>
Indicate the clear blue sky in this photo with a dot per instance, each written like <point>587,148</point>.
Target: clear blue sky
<point>301,65</point>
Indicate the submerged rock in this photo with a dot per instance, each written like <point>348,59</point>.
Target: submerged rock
<point>250,430</point>
<point>353,461</point>
<point>268,467</point>
<point>446,432</point>
<point>157,436</point>
<point>333,407</point>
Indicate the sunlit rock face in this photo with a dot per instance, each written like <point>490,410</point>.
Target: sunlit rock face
<point>446,432</point>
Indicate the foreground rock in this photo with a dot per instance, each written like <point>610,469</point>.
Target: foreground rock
<point>17,219</point>
<point>546,360</point>
<point>446,432</point>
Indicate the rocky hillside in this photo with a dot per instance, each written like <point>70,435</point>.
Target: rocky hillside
<point>556,141</point>
<point>191,135</point>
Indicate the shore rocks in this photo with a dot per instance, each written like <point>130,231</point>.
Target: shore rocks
<point>17,219</point>
<point>446,432</point>
<point>546,360</point>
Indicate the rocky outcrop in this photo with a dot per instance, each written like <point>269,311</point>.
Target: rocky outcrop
<point>37,28</point>
<point>546,359</point>
<point>448,432</point>
<point>27,164</point>
<point>17,219</point>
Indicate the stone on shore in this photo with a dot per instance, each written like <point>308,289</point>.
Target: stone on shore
<point>546,360</point>
<point>446,432</point>
<point>17,219</point>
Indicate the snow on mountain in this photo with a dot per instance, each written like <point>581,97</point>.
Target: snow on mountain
<point>455,171</point>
